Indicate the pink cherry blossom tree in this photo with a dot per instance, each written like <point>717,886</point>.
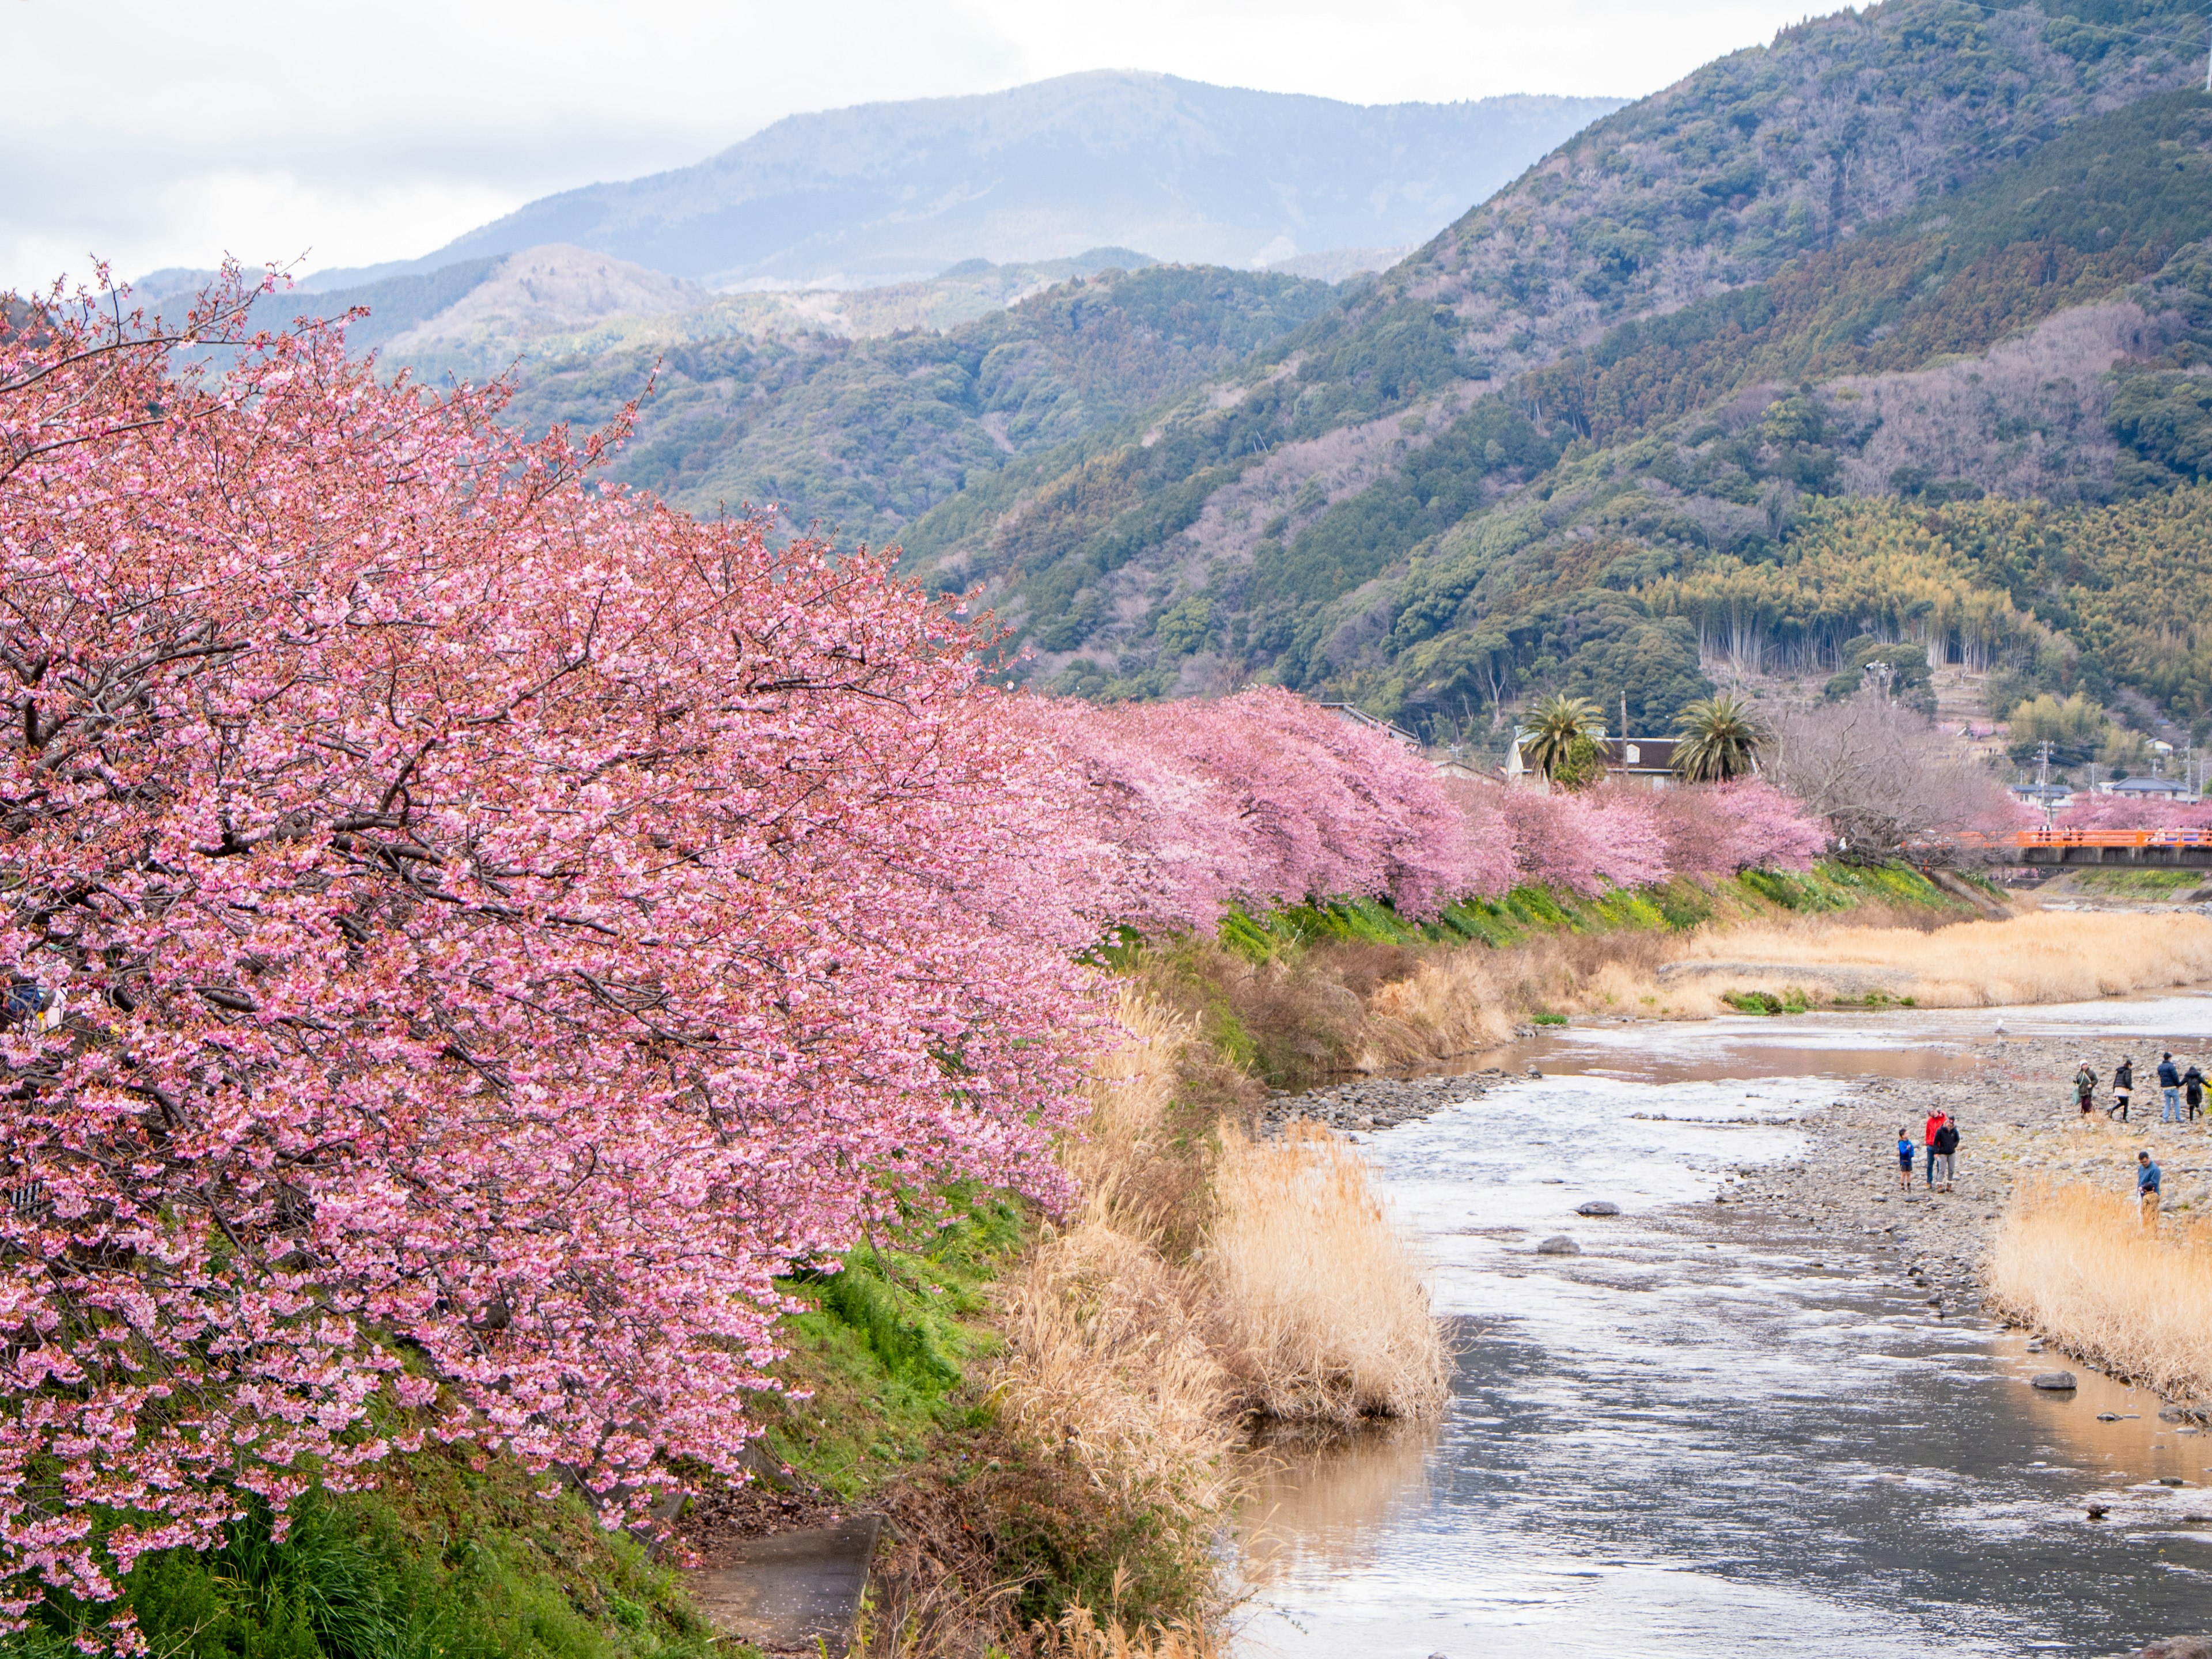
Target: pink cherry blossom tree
<point>498,925</point>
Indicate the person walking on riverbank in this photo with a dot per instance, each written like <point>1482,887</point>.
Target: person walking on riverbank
<point>1936,1119</point>
<point>2147,1180</point>
<point>2192,1090</point>
<point>2169,1083</point>
<point>2085,1088</point>
<point>2123,1086</point>
<point>1904,1161</point>
<point>1945,1147</point>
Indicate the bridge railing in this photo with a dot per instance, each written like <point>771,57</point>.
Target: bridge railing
<point>2109,838</point>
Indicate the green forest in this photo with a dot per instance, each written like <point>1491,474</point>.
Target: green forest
<point>1519,463</point>
<point>863,436</point>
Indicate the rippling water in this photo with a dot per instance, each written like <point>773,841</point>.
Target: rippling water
<point>1681,1442</point>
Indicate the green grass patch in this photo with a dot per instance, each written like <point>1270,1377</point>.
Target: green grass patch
<point>1548,1018</point>
<point>1792,1001</point>
<point>2140,883</point>
<point>455,1555</point>
<point>888,1342</point>
<point>1525,913</point>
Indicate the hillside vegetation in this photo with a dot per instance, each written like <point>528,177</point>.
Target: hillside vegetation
<point>866,434</point>
<point>1602,431</point>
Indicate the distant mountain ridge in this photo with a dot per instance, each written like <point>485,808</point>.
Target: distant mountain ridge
<point>1186,172</point>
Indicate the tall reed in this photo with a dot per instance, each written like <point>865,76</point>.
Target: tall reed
<point>1320,1297</point>
<point>2077,1262</point>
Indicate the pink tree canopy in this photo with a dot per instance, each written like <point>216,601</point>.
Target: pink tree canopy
<point>498,925</point>
<point>2126,812</point>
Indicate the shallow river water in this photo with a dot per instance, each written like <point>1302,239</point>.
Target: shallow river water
<point>1681,1442</point>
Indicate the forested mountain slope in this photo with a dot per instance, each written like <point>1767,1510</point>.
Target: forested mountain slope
<point>1654,355</point>
<point>865,434</point>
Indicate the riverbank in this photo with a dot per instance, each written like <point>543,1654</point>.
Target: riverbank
<point>1686,1427</point>
<point>2022,1140</point>
<point>1047,1418</point>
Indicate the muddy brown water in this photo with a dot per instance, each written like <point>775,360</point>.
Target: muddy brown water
<point>1683,1442</point>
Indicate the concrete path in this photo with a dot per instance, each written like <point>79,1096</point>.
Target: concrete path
<point>789,1591</point>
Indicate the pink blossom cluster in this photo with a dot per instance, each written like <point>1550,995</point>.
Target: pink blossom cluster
<point>1174,810</point>
<point>2091,811</point>
<point>498,925</point>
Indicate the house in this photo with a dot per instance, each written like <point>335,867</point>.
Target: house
<point>2043,797</point>
<point>2172,791</point>
<point>1345,711</point>
<point>1647,761</point>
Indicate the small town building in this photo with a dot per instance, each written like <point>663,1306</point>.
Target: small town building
<point>1647,761</point>
<point>2171,791</point>
<point>2043,797</point>
<point>1459,767</point>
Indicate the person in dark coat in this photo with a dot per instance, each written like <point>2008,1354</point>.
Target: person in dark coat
<point>2192,1091</point>
<point>1945,1147</point>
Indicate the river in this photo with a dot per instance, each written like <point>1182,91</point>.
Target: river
<point>1693,1440</point>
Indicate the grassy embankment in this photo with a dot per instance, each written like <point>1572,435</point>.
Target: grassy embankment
<point>454,1556</point>
<point>1351,987</point>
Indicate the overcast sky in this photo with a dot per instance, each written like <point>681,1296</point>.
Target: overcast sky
<point>156,133</point>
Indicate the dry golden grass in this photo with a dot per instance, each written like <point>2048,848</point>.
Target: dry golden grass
<point>1079,1636</point>
<point>1133,1179</point>
<point>1108,1361</point>
<point>2040,957</point>
<point>1136,1367</point>
<point>1324,1313</point>
<point>2077,1263</point>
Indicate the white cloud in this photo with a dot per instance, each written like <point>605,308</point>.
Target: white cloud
<point>162,135</point>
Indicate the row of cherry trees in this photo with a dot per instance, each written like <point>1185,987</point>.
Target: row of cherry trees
<point>1178,809</point>
<point>495,925</point>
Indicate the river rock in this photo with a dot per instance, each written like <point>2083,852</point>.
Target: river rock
<point>1597,1206</point>
<point>2056,1382</point>
<point>2179,1647</point>
<point>1559,1244</point>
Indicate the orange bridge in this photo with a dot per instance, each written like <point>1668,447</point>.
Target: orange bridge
<point>2145,848</point>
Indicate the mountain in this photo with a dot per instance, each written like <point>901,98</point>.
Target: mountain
<point>1186,172</point>
<point>866,431</point>
<point>1846,298</point>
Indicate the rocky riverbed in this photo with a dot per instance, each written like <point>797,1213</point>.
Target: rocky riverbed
<point>2017,1121</point>
<point>1361,1104</point>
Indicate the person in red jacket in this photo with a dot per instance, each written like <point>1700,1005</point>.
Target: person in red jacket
<point>1936,1119</point>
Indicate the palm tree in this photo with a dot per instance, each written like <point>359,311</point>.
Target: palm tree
<point>1721,739</point>
<point>1555,725</point>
